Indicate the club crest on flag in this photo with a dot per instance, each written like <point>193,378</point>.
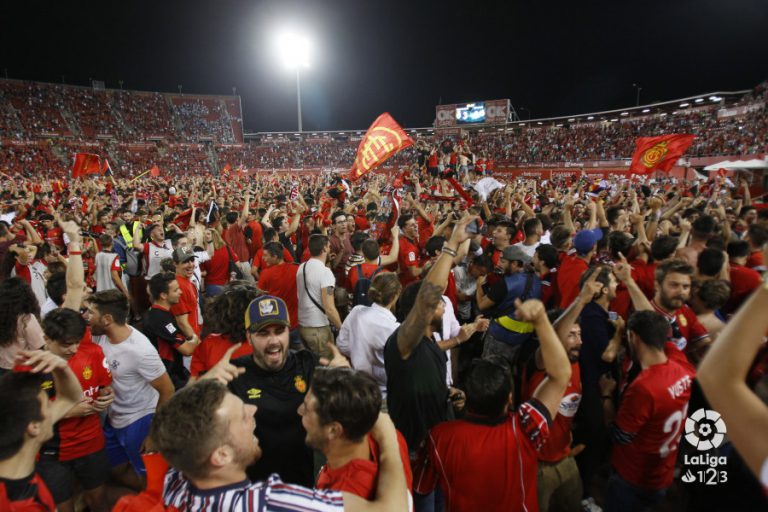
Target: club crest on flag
<point>382,140</point>
<point>656,154</point>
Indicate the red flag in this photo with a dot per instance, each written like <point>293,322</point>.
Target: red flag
<point>722,172</point>
<point>658,153</point>
<point>225,170</point>
<point>460,190</point>
<point>182,220</point>
<point>154,171</point>
<point>382,140</point>
<point>86,163</point>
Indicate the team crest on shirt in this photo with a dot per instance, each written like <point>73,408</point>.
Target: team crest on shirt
<point>300,384</point>
<point>254,394</point>
<point>46,385</point>
<point>682,320</point>
<point>87,373</point>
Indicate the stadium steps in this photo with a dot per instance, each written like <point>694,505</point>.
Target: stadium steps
<point>62,154</point>
<point>12,115</point>
<point>177,124</point>
<point>71,120</point>
<point>213,160</point>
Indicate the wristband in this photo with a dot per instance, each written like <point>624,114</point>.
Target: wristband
<point>449,251</point>
<point>75,253</point>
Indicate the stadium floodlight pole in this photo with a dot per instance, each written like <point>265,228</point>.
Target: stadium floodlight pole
<point>295,51</point>
<point>639,88</point>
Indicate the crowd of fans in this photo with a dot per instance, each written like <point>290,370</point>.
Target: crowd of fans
<point>30,110</point>
<point>531,344</point>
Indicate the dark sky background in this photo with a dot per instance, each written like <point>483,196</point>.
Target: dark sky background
<point>551,57</point>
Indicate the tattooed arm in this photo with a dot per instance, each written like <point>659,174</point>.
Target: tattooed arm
<point>430,293</point>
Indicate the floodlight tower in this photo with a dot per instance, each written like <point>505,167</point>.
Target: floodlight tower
<point>295,50</point>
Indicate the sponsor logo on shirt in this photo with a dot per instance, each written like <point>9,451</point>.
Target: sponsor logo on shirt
<point>254,394</point>
<point>170,328</point>
<point>87,373</point>
<point>569,405</point>
<point>300,384</point>
<point>682,320</point>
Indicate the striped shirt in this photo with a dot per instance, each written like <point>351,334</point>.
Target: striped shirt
<point>179,494</point>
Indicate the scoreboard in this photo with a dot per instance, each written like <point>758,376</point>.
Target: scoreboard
<point>479,113</point>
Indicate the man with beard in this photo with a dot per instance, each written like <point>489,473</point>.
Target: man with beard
<point>647,427</point>
<point>417,394</point>
<point>559,484</point>
<point>409,257</point>
<point>338,413</point>
<point>139,380</point>
<point>275,379</point>
<point>673,289</point>
<point>206,434</point>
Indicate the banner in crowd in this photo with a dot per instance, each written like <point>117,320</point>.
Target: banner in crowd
<point>86,163</point>
<point>658,153</point>
<point>382,140</point>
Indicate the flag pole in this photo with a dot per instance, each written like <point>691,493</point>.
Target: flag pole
<point>140,175</point>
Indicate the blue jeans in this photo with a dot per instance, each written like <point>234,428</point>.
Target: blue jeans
<point>621,496</point>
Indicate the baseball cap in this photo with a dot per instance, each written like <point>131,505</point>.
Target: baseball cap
<point>515,253</point>
<point>182,254</point>
<point>266,310</point>
<point>586,239</point>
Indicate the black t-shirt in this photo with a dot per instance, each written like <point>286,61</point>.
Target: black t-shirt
<point>278,424</point>
<point>417,396</point>
<point>163,332</point>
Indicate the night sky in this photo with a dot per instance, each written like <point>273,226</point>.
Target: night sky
<point>371,56</point>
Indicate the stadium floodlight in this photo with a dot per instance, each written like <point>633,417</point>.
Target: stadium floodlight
<point>699,100</point>
<point>590,118</point>
<point>663,114</point>
<point>646,110</point>
<point>625,113</point>
<point>715,98</point>
<point>295,50</point>
<point>683,105</point>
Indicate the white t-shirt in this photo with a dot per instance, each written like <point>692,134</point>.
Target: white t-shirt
<point>154,255</point>
<point>530,250</point>
<point>134,363</point>
<point>451,328</point>
<point>105,263</point>
<point>319,277</point>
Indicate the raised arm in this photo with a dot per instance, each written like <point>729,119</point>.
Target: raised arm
<point>429,296</point>
<point>553,354</point>
<point>723,372</point>
<point>75,273</point>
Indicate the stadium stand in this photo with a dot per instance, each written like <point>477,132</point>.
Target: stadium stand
<point>137,130</point>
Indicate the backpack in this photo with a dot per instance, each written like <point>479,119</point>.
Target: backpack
<point>133,259</point>
<point>360,293</point>
<point>133,262</point>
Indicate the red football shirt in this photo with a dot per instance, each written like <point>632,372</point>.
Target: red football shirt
<point>367,270</point>
<point>187,304</point>
<point>558,446</point>
<point>217,267</point>
<point>211,350</point>
<point>407,257</point>
<point>755,261</point>
<point>280,281</point>
<point>468,457</point>
<point>568,275</point>
<point>686,328</point>
<point>359,476</point>
<point>743,282</point>
<point>77,437</point>
<point>649,424</point>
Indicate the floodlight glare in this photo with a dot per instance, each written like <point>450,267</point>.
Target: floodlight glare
<point>294,50</point>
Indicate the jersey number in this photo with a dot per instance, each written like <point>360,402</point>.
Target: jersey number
<point>672,426</point>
